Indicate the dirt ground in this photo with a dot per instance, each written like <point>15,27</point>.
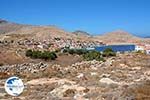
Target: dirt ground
<point>124,77</point>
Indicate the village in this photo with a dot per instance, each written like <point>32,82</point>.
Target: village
<point>57,43</point>
<point>52,44</point>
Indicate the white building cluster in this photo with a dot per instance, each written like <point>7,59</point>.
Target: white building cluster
<point>143,47</point>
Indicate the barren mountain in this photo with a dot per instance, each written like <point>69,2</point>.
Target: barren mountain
<point>119,36</point>
<point>3,21</point>
<point>83,33</point>
<point>40,32</point>
<point>47,32</point>
<point>6,26</point>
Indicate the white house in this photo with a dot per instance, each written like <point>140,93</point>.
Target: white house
<point>139,48</point>
<point>148,52</point>
<point>147,48</point>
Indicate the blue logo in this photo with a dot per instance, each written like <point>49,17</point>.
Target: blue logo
<point>14,86</point>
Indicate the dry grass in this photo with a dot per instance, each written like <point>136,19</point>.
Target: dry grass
<point>139,92</point>
<point>4,75</point>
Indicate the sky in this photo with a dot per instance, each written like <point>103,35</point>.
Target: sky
<point>93,16</point>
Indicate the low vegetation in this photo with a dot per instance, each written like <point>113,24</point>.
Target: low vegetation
<point>87,55</point>
<point>140,52</point>
<point>108,52</point>
<point>75,51</point>
<point>91,55</point>
<point>46,55</point>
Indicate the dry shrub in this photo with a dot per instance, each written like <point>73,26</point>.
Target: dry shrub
<point>4,75</point>
<point>69,93</point>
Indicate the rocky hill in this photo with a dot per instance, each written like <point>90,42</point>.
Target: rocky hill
<point>119,36</point>
<point>47,32</point>
<point>3,21</point>
<point>14,28</point>
<point>83,33</point>
<point>39,32</point>
<point>6,27</point>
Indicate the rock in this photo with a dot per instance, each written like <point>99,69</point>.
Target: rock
<point>42,81</point>
<point>107,81</point>
<point>109,62</point>
<point>93,67</point>
<point>80,75</point>
<point>93,73</point>
<point>105,75</point>
<point>80,96</point>
<point>61,90</point>
<point>147,73</point>
<point>123,66</point>
<point>136,68</point>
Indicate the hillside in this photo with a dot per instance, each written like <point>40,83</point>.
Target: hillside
<point>40,32</point>
<point>6,27</point>
<point>47,32</point>
<point>119,36</point>
<point>81,33</point>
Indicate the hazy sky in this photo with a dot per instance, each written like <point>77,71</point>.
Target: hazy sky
<point>94,16</point>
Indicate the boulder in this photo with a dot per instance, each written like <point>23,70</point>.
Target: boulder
<point>107,81</point>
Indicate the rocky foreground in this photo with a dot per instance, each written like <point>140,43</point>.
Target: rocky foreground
<point>125,77</point>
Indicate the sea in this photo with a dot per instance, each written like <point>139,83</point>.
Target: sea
<point>116,48</point>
